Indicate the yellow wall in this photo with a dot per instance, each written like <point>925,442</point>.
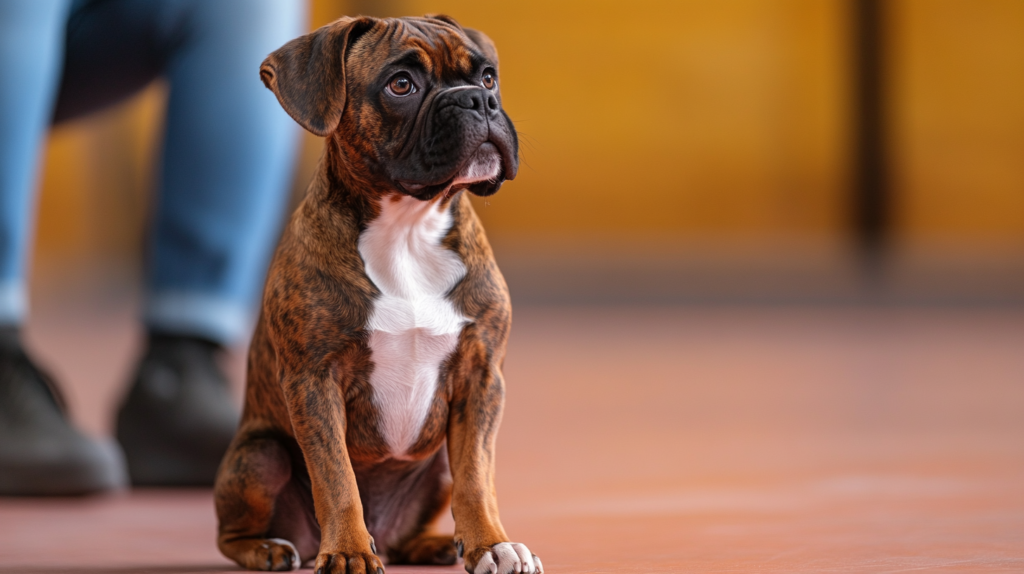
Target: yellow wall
<point>958,117</point>
<point>720,117</point>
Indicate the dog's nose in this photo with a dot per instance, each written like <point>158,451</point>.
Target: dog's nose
<point>479,101</point>
<point>470,100</point>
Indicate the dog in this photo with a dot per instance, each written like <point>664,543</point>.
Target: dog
<point>374,386</point>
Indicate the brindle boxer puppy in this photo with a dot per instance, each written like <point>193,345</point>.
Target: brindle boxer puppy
<point>374,383</point>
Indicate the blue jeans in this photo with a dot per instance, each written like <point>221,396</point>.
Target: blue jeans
<point>227,153</point>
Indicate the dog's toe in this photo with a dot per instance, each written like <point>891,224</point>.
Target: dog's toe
<point>507,558</point>
<point>281,555</point>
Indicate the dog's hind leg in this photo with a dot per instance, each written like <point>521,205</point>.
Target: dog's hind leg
<point>253,473</point>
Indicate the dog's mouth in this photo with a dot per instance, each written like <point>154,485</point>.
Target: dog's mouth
<point>482,173</point>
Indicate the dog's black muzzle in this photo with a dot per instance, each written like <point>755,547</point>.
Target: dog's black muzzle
<point>459,121</point>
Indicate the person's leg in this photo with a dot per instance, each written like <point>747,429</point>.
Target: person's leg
<point>227,156</point>
<point>228,149</point>
<point>40,452</point>
<point>227,163</point>
<point>31,51</point>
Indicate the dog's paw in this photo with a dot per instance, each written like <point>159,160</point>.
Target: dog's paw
<point>278,555</point>
<point>348,563</point>
<point>503,558</point>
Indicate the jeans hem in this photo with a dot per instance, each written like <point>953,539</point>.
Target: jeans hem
<point>220,320</point>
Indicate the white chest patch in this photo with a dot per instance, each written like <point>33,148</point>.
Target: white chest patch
<point>413,327</point>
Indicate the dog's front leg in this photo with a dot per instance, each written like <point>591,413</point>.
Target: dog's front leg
<point>317,409</point>
<point>472,433</point>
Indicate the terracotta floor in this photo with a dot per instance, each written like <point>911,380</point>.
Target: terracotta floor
<point>692,439</point>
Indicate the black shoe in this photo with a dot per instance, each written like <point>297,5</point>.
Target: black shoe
<point>179,418</point>
<point>40,452</point>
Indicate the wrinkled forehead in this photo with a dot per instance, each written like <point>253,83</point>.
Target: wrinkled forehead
<point>438,48</point>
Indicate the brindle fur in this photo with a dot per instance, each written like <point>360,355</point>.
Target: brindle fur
<point>309,463</point>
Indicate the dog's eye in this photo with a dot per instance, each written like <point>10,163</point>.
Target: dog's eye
<point>401,85</point>
<point>488,80</point>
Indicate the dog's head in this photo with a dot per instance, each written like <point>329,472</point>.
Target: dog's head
<point>413,103</point>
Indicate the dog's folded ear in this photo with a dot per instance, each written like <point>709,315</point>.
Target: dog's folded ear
<point>308,74</point>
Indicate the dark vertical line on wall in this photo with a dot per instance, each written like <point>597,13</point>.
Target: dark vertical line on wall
<point>870,171</point>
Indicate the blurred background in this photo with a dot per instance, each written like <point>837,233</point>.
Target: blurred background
<point>767,261</point>
<point>808,150</point>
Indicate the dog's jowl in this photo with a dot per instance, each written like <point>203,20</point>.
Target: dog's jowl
<point>374,386</point>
